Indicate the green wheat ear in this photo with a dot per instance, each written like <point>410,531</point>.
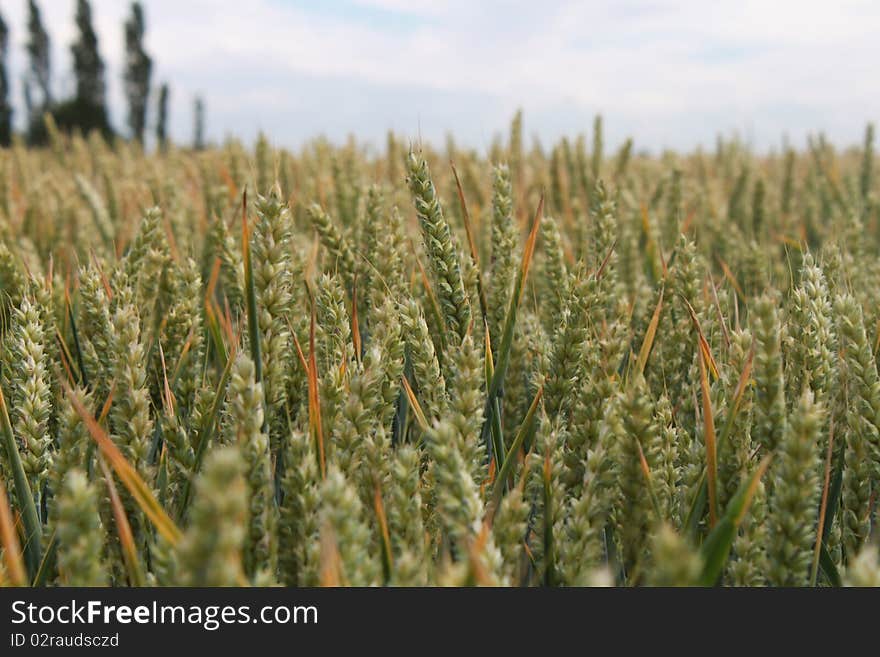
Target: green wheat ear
<point>795,496</point>
<point>271,263</point>
<point>770,420</point>
<point>467,399</point>
<point>220,244</point>
<point>144,267</point>
<point>811,338</point>
<point>182,336</point>
<point>427,378</point>
<point>459,505</point>
<point>210,552</point>
<point>94,322</point>
<point>504,248</point>
<point>298,522</point>
<point>243,427</point>
<point>675,563</point>
<point>441,249</point>
<point>130,414</point>
<point>27,380</point>
<point>509,528</point>
<point>638,431</point>
<point>861,388</point>
<point>80,533</point>
<point>343,516</point>
<point>342,257</point>
<point>555,278</point>
<point>405,520</point>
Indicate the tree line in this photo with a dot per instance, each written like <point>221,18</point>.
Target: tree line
<point>86,110</point>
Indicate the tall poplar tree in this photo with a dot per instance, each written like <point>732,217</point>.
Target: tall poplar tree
<point>162,118</point>
<point>5,107</point>
<point>88,66</point>
<point>138,68</point>
<point>40,63</point>
<point>199,135</point>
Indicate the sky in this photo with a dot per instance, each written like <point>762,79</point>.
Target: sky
<point>669,74</point>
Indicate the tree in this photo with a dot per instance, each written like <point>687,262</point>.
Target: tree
<point>40,65</point>
<point>28,98</point>
<point>87,63</point>
<point>162,121</point>
<point>5,108</point>
<point>199,136</point>
<point>138,67</point>
<point>87,110</point>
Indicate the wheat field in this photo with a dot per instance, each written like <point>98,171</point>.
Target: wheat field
<point>349,365</point>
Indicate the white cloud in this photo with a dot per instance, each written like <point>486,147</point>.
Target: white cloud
<point>671,73</point>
